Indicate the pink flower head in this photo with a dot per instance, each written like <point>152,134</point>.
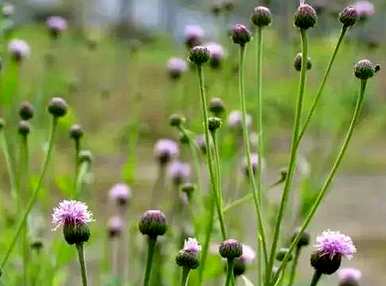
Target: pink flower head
<point>347,275</point>
<point>333,243</point>
<point>176,67</point>
<point>191,245</point>
<point>216,51</point>
<point>71,212</point>
<point>115,225</point>
<point>19,49</point>
<point>57,24</point>
<point>120,193</point>
<point>254,163</point>
<point>165,150</point>
<point>193,35</point>
<point>179,172</point>
<point>364,9</point>
<point>235,120</point>
<point>248,254</point>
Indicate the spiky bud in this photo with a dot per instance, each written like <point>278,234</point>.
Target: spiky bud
<point>305,17</point>
<point>304,238</point>
<point>298,62</point>
<point>26,110</point>
<point>187,259</point>
<point>176,120</point>
<point>57,107</point>
<point>240,34</point>
<point>261,16</point>
<point>325,264</point>
<point>76,233</point>
<point>76,132</point>
<point>365,69</point>
<point>153,223</point>
<point>214,123</point>
<point>231,249</point>
<point>216,106</point>
<point>24,128</point>
<point>199,55</point>
<point>348,16</point>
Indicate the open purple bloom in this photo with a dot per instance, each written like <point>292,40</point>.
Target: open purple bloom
<point>19,49</point>
<point>349,275</point>
<point>179,172</point>
<point>165,150</point>
<point>120,193</point>
<point>364,9</point>
<point>71,213</point>
<point>57,23</point>
<point>176,67</point>
<point>191,245</point>
<point>333,243</point>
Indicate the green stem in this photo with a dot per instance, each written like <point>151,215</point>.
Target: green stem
<point>81,173</point>
<point>76,159</point>
<point>158,184</point>
<point>217,166</point>
<point>315,278</point>
<point>230,276</point>
<point>82,263</point>
<point>330,177</point>
<point>34,195</point>
<point>150,254</point>
<point>185,276</point>
<point>294,267</point>
<point>8,163</point>
<point>322,85</point>
<point>292,161</point>
<point>209,152</point>
<point>254,190</point>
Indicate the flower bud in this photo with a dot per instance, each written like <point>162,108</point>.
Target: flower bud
<point>240,34</point>
<point>325,264</point>
<point>304,238</point>
<point>26,110</point>
<point>239,267</point>
<point>187,259</point>
<point>153,223</point>
<point>76,132</point>
<point>85,156</point>
<point>24,128</point>
<point>231,249</point>
<point>216,106</point>
<point>199,55</point>
<point>37,245</point>
<point>282,253</point>
<point>57,107</point>
<point>261,16</point>
<point>188,189</point>
<point>349,277</point>
<point>76,233</point>
<point>305,17</point>
<point>184,138</point>
<point>298,62</point>
<point>214,123</point>
<point>176,120</point>
<point>348,16</point>
<point>365,69</point>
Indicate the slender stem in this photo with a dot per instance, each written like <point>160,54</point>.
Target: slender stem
<point>82,263</point>
<point>322,85</point>
<point>217,166</point>
<point>150,254</point>
<point>330,177</point>
<point>209,152</point>
<point>76,159</point>
<point>294,267</point>
<point>254,190</point>
<point>292,161</point>
<point>230,276</point>
<point>8,163</point>
<point>82,171</point>
<point>185,276</point>
<point>315,278</point>
<point>34,195</point>
<point>158,185</point>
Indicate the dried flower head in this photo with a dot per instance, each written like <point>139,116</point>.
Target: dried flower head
<point>120,193</point>
<point>176,67</point>
<point>349,277</point>
<point>19,49</point>
<point>71,213</point>
<point>165,150</point>
<point>194,35</point>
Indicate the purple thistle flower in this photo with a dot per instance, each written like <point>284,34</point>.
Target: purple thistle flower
<point>193,35</point>
<point>334,243</point>
<point>71,213</point>
<point>191,245</point>
<point>120,193</point>
<point>364,9</point>
<point>19,49</point>
<point>216,52</point>
<point>179,172</point>
<point>165,150</point>
<point>56,25</point>
<point>349,276</point>
<point>176,67</point>
<point>235,120</point>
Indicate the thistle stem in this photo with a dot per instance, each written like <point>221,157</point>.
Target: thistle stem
<point>150,254</point>
<point>254,190</point>
<point>323,191</point>
<point>185,276</point>
<point>158,185</point>
<point>215,189</point>
<point>82,263</point>
<point>81,173</point>
<point>293,154</point>
<point>8,163</point>
<point>294,267</point>
<point>315,278</point>
<point>322,85</point>
<point>34,195</point>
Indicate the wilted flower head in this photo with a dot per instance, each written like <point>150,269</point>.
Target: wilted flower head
<point>71,213</point>
<point>331,243</point>
<point>115,226</point>
<point>165,150</point>
<point>349,276</point>
<point>235,119</point>
<point>179,172</point>
<point>216,52</point>
<point>56,25</point>
<point>19,49</point>
<point>365,9</point>
<point>192,245</point>
<point>193,35</point>
<point>176,67</point>
<point>120,193</point>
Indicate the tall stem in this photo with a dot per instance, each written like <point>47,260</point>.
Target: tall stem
<point>294,267</point>
<point>82,263</point>
<point>322,85</point>
<point>81,173</point>
<point>185,276</point>
<point>209,152</point>
<point>292,161</point>
<point>330,177</point>
<point>261,232</point>
<point>315,278</point>
<point>8,163</point>
<point>150,254</point>
<point>230,276</point>
<point>34,195</point>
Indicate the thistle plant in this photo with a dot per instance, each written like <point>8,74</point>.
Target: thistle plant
<point>188,259</point>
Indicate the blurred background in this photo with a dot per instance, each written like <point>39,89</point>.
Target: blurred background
<point>110,65</point>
